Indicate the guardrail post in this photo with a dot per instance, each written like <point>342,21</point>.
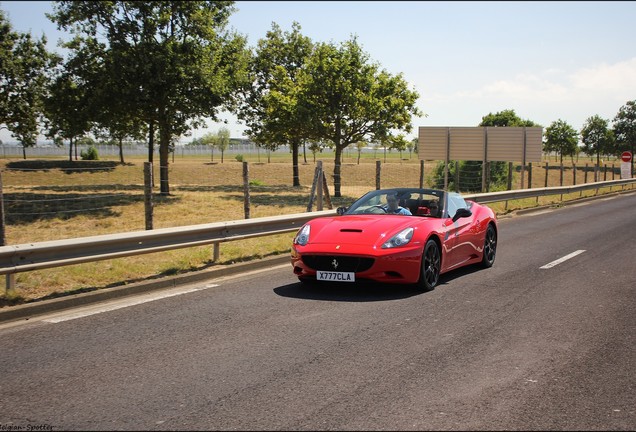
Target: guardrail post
<point>217,252</point>
<point>10,282</point>
<point>148,194</point>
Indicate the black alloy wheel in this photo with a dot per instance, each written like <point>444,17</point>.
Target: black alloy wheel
<point>490,247</point>
<point>431,266</point>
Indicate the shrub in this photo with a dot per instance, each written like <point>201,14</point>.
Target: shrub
<point>89,154</point>
<point>239,157</point>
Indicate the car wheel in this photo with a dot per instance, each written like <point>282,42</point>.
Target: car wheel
<point>431,266</point>
<point>490,247</point>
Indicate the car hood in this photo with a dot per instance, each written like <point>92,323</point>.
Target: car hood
<point>357,230</point>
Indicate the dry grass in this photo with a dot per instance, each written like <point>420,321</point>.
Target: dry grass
<point>52,204</point>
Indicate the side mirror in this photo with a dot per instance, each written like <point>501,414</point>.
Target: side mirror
<point>461,213</point>
<point>341,210</point>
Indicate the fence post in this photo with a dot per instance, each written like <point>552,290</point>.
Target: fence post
<point>148,205</point>
<point>510,175</point>
<point>596,172</point>
<point>326,190</point>
<point>456,176</point>
<point>378,165</point>
<point>509,181</point>
<point>421,174</point>
<point>313,187</point>
<point>585,175</point>
<point>547,170</point>
<point>319,186</point>
<point>246,190</point>
<point>10,278</point>
<point>3,238</point>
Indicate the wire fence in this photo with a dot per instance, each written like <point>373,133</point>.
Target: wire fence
<point>55,199</point>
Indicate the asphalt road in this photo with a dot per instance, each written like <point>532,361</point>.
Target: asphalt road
<point>537,342</point>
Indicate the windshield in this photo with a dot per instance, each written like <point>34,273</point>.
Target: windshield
<point>407,202</point>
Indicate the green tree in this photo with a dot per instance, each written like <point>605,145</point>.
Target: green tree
<point>561,138</point>
<point>222,140</point>
<point>347,99</point>
<point>399,143</point>
<point>8,39</point>
<point>412,146</point>
<point>24,74</point>
<point>176,63</point>
<point>269,106</point>
<point>359,146</point>
<point>209,139</point>
<point>67,113</point>
<point>597,137</point>
<point>625,128</point>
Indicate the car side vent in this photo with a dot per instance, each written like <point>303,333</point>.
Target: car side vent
<point>351,230</point>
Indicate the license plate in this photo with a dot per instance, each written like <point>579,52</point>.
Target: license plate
<point>336,276</point>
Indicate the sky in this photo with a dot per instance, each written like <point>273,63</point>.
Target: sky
<point>547,61</point>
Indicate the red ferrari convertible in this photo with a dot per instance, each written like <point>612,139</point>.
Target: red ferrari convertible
<point>402,235</point>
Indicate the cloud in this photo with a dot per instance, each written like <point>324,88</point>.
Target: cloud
<point>619,77</point>
<point>542,97</point>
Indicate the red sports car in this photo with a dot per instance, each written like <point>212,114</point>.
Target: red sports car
<point>401,235</point>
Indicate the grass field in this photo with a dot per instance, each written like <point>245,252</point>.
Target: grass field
<point>49,203</point>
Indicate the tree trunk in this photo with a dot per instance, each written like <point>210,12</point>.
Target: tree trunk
<point>70,150</point>
<point>336,172</point>
<point>121,151</point>
<point>295,172</point>
<point>164,158</point>
<point>151,140</point>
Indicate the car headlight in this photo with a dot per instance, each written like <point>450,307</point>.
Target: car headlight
<point>400,239</point>
<point>302,238</point>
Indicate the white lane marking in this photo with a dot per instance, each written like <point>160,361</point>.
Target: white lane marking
<point>562,259</point>
<point>123,303</point>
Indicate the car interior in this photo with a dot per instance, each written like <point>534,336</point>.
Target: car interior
<point>421,206</point>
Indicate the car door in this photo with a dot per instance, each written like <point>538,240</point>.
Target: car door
<point>461,231</point>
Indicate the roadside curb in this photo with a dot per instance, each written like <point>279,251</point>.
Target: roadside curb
<point>11,313</point>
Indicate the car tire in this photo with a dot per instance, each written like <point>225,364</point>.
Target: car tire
<point>490,247</point>
<point>431,266</point>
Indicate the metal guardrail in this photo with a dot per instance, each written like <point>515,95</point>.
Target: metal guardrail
<point>48,254</point>
<point>538,192</point>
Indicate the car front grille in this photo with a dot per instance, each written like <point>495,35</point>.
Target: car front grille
<point>338,263</point>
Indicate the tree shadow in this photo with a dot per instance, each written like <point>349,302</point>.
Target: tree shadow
<point>68,166</point>
<point>90,188</point>
<point>25,208</point>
